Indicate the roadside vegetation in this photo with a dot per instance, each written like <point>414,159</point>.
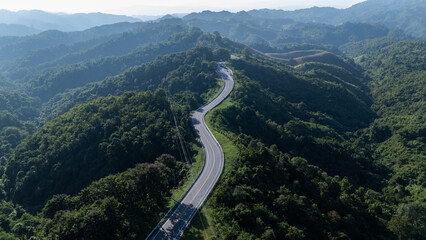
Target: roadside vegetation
<point>324,135</point>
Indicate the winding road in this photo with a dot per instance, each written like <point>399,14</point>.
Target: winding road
<point>179,217</point>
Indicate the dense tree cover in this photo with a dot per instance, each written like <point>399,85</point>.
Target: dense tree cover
<point>110,135</point>
<point>17,120</point>
<point>22,105</point>
<point>379,156</point>
<point>192,71</point>
<point>91,141</point>
<point>310,184</point>
<point>403,14</point>
<point>355,49</point>
<point>261,30</point>
<point>38,60</point>
<point>322,88</point>
<point>327,151</point>
<point>397,138</point>
<point>325,34</point>
<point>21,113</point>
<point>24,45</point>
<point>293,47</point>
<point>12,132</point>
<point>307,112</point>
<point>198,76</point>
<point>25,68</point>
<point>397,73</point>
<point>50,83</point>
<point>273,195</point>
<point>16,222</point>
<point>123,206</point>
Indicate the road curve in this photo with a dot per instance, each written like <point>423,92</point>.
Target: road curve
<point>179,217</point>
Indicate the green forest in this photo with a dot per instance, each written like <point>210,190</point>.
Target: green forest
<point>308,169</point>
<point>324,134</point>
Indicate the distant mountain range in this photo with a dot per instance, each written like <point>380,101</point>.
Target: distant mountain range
<point>36,21</point>
<point>17,30</point>
<point>323,134</point>
<point>407,15</point>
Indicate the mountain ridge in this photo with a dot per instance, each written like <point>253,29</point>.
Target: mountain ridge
<point>65,22</point>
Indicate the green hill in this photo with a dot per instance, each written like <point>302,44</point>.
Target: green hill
<point>278,32</point>
<point>304,172</point>
<point>23,45</point>
<point>48,84</point>
<point>110,134</point>
<point>89,142</point>
<point>323,133</point>
<point>403,14</point>
<point>397,137</point>
<point>105,41</point>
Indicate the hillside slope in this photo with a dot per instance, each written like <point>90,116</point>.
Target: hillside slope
<point>89,142</point>
<point>63,22</point>
<point>110,134</point>
<point>306,173</point>
<point>406,15</point>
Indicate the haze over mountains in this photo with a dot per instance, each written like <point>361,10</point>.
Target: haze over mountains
<point>405,14</point>
<point>323,135</point>
<point>38,21</point>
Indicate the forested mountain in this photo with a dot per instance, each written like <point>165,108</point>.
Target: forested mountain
<point>366,20</point>
<point>114,206</point>
<point>276,32</point>
<point>324,133</point>
<point>17,114</point>
<point>274,195</point>
<point>25,109</point>
<point>53,38</point>
<point>379,161</point>
<point>63,22</point>
<point>136,123</point>
<point>25,68</point>
<point>180,73</point>
<point>403,14</point>
<point>398,135</point>
<point>165,72</point>
<point>78,75</point>
<point>109,129</point>
<point>16,30</point>
<point>51,83</point>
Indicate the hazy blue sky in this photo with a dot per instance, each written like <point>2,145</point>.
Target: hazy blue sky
<point>158,7</point>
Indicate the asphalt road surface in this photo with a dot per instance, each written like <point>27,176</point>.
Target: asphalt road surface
<point>183,212</point>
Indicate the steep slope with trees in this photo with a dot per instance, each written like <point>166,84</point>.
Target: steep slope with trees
<point>315,172</point>
<point>137,123</point>
<point>397,138</point>
<point>403,14</point>
<point>274,195</point>
<point>48,84</point>
<point>122,206</point>
<point>176,72</point>
<point>111,134</point>
<point>89,142</point>
<point>121,43</point>
<point>260,30</point>
<point>24,45</point>
<point>328,148</point>
<point>308,184</point>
